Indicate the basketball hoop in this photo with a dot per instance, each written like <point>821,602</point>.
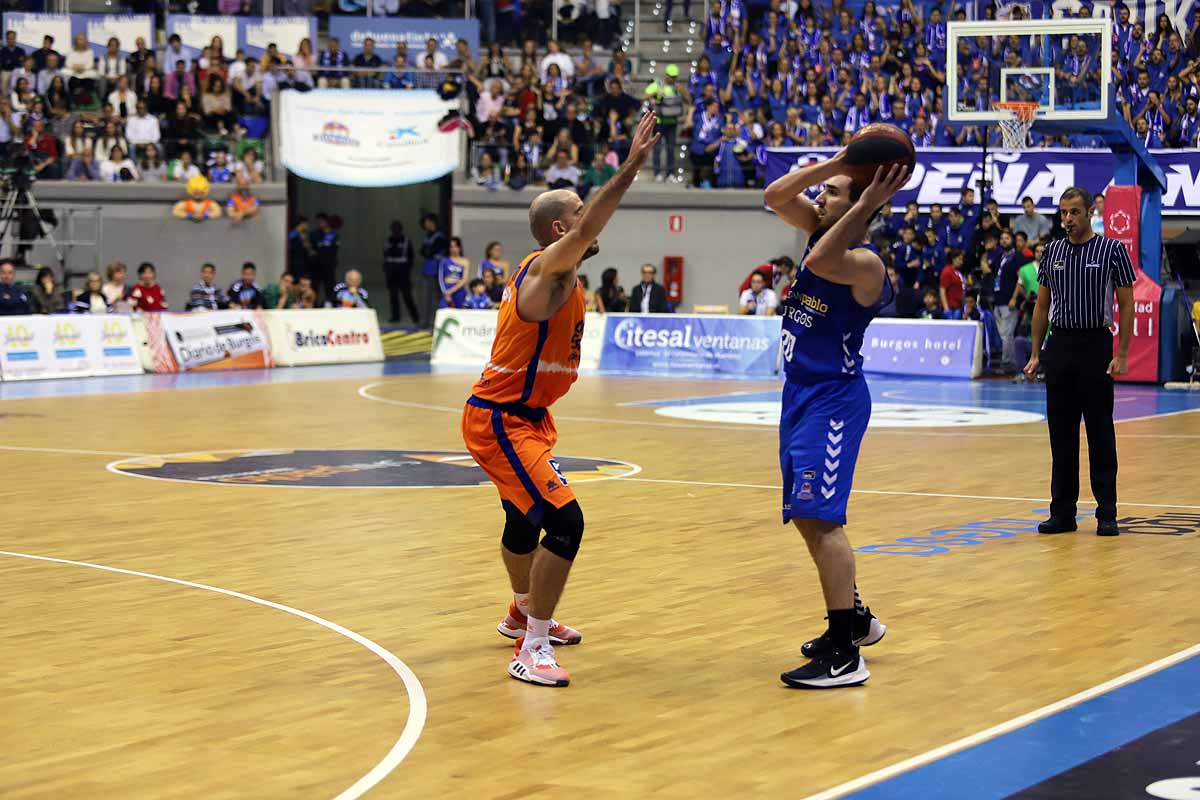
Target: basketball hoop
<point>1014,130</point>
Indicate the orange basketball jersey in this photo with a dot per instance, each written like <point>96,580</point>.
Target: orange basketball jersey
<point>533,363</point>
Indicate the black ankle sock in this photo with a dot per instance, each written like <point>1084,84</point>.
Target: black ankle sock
<point>841,627</point>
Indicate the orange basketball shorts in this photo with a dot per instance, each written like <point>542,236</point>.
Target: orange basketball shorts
<point>514,452</point>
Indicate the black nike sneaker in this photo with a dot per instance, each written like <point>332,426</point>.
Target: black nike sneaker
<point>868,630</point>
<point>831,671</point>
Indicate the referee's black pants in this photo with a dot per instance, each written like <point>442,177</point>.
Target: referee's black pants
<point>1078,385</point>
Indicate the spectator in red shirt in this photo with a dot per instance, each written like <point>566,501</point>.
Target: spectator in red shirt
<point>782,271</point>
<point>44,149</point>
<point>951,285</point>
<point>147,295</point>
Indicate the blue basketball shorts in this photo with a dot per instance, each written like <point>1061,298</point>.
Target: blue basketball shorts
<point>820,430</point>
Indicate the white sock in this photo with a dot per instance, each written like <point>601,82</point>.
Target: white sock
<point>522,601</point>
<point>537,629</point>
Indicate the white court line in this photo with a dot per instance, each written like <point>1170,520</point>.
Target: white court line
<point>416,694</point>
<point>905,494</point>
<point>365,393</point>
<point>930,756</point>
<point>67,451</point>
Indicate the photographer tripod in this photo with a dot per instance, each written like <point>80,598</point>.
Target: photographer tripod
<point>24,213</point>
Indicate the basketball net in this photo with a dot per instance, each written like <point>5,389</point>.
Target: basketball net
<point>1014,129</point>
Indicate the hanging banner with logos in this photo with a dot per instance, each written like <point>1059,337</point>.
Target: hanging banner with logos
<point>667,344</point>
<point>360,137</point>
<point>943,172</point>
<point>67,346</point>
<point>211,340</point>
<point>463,338</point>
<point>1122,221</point>
<point>415,32</point>
<point>324,336</point>
<point>252,34</point>
<point>31,29</point>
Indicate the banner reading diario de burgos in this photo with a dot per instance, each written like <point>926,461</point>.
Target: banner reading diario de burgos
<point>666,344</point>
<point>360,137</point>
<point>211,340</point>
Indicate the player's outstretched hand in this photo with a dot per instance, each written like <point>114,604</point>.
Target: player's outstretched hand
<point>887,182</point>
<point>644,140</point>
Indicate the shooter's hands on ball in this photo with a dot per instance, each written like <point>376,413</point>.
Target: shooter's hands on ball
<point>643,141</point>
<point>887,182</point>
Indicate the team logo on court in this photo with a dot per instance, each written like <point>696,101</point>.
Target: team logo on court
<point>346,469</point>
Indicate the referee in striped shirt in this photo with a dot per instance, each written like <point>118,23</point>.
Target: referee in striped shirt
<point>1077,276</point>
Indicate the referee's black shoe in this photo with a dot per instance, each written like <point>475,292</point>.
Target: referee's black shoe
<point>1107,527</point>
<point>1058,525</point>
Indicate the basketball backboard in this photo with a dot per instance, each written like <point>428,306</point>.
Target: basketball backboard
<point>1064,65</point>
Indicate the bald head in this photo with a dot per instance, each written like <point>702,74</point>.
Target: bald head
<point>548,208</point>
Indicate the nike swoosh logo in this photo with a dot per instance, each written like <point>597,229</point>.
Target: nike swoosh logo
<point>835,672</point>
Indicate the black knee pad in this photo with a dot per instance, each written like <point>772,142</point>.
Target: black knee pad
<point>520,535</point>
<point>564,530</point>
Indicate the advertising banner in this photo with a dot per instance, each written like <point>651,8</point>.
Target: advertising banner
<point>941,348</point>
<point>208,341</point>
<point>65,346</point>
<point>359,137</point>
<point>413,31</point>
<point>252,34</point>
<point>464,338</point>
<point>99,28</point>
<point>1122,221</point>
<point>324,336</point>
<point>1143,346</point>
<point>666,343</point>
<point>943,172</point>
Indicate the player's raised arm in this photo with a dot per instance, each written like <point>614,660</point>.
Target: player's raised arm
<point>566,252</point>
<point>785,194</point>
<point>831,257</point>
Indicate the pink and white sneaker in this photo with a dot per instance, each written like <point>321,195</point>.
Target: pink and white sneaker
<point>513,626</point>
<point>535,664</point>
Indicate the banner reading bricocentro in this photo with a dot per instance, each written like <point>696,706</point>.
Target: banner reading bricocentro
<point>360,137</point>
<point>66,346</point>
<point>324,336</point>
<point>208,341</point>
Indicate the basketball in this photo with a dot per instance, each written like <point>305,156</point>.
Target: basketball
<point>877,145</point>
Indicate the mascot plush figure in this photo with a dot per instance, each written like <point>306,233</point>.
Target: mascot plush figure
<point>197,206</point>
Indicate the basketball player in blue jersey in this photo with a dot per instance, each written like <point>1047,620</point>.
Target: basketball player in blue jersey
<point>839,288</point>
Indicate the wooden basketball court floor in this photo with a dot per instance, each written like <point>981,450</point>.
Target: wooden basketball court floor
<point>216,636</point>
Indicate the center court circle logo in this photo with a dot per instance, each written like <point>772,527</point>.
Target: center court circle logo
<point>344,469</point>
<point>883,415</point>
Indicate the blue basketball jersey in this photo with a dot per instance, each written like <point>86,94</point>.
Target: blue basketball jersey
<point>823,326</point>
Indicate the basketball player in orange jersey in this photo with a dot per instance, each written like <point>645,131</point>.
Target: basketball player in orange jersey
<point>507,424</point>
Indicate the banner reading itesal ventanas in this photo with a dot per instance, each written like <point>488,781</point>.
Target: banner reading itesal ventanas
<point>360,137</point>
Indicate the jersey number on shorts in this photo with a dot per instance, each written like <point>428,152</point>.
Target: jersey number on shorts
<point>557,471</point>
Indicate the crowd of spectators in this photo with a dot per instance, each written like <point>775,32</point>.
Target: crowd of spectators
<point>149,116</point>
<point>118,295</point>
<point>804,73</point>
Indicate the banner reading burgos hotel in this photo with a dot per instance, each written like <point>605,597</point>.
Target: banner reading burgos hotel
<point>666,344</point>
<point>353,137</point>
